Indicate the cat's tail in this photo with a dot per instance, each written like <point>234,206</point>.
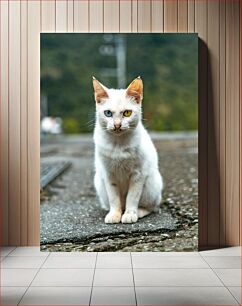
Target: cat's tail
<point>142,212</point>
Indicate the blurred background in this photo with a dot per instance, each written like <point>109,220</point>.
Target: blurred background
<point>167,64</point>
<point>71,217</point>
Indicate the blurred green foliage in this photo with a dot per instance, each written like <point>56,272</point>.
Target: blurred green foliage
<point>71,125</point>
<point>167,63</point>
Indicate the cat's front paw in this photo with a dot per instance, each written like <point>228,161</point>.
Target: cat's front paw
<point>130,217</point>
<point>113,217</point>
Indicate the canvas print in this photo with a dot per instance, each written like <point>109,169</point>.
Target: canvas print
<point>119,142</point>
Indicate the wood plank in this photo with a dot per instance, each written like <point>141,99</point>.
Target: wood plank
<point>213,124</point>
<point>232,122</point>
<point>144,16</point>
<point>70,15</point>
<point>125,16</point>
<point>240,59</point>
<point>81,16</point>
<point>33,122</point>
<point>222,141</point>
<point>23,125</point>
<point>49,171</point>
<point>4,122</point>
<point>171,15</point>
<point>134,16</point>
<point>14,122</point>
<point>157,14</point>
<point>201,28</point>
<point>61,15</point>
<point>48,16</point>
<point>96,16</point>
<point>191,16</point>
<point>183,16</point>
<point>111,16</point>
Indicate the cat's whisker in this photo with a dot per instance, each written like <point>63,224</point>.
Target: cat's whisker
<point>91,120</point>
<point>90,123</point>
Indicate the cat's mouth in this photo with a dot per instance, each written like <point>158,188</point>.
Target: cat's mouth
<point>118,131</point>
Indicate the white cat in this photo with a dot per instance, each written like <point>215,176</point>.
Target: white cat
<point>127,179</point>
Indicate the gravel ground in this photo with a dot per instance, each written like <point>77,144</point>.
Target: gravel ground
<point>71,219</point>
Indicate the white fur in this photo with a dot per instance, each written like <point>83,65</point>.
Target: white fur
<point>127,179</point>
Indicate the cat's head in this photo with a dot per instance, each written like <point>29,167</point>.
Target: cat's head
<point>118,110</point>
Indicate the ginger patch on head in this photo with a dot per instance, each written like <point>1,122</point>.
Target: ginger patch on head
<point>135,89</point>
<point>100,91</point>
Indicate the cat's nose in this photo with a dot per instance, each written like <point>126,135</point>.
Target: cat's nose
<point>117,125</point>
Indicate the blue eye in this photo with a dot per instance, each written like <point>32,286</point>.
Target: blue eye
<point>108,113</point>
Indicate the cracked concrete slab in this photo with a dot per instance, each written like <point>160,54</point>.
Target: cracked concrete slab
<point>71,218</point>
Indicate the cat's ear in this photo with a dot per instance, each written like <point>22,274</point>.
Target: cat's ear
<point>135,89</point>
<point>100,91</point>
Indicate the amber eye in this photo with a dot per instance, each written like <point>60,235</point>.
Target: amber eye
<point>127,113</point>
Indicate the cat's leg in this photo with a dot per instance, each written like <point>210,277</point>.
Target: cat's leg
<point>115,213</point>
<point>101,191</point>
<point>133,197</point>
<point>151,197</point>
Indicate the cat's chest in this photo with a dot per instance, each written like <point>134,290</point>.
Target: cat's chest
<point>121,158</point>
<point>123,153</point>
